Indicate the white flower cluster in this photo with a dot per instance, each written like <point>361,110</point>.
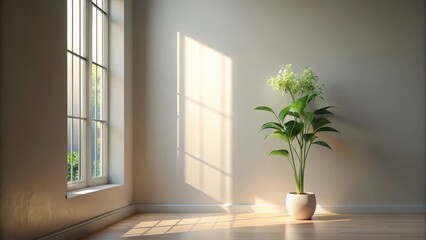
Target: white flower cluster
<point>296,84</point>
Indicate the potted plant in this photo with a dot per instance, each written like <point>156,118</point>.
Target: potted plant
<point>298,125</point>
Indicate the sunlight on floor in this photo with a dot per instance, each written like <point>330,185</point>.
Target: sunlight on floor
<point>222,221</point>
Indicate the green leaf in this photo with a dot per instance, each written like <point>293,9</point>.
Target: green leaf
<point>292,128</point>
<point>323,110</point>
<point>278,134</point>
<point>320,122</point>
<point>324,144</point>
<point>300,104</point>
<point>264,108</point>
<point>294,114</point>
<point>309,137</point>
<point>311,96</point>
<point>298,128</point>
<point>290,124</point>
<point>327,129</point>
<point>272,125</point>
<point>309,116</point>
<point>284,112</point>
<point>281,152</point>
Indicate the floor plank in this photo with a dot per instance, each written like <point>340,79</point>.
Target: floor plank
<point>265,226</point>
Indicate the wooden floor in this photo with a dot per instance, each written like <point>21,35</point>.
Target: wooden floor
<point>266,226</point>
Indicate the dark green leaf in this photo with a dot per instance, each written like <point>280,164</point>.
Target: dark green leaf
<point>264,108</point>
<point>290,124</point>
<point>293,128</point>
<point>298,128</point>
<point>294,114</point>
<point>327,129</point>
<point>320,122</point>
<point>323,110</point>
<point>284,112</point>
<point>309,116</point>
<point>272,125</point>
<point>324,144</point>
<point>309,137</point>
<point>281,152</point>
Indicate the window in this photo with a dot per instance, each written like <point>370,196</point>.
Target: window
<point>87,93</point>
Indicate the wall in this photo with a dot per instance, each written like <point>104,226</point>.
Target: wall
<point>200,69</point>
<point>33,124</point>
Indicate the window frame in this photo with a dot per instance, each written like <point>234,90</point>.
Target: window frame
<point>85,166</point>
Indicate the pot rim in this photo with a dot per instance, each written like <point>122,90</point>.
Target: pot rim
<point>305,193</point>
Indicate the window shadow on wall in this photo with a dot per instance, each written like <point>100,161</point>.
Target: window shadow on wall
<point>204,117</point>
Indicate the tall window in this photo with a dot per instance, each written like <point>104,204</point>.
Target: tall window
<point>87,85</point>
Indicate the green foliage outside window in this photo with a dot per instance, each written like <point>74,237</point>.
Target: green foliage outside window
<point>73,167</point>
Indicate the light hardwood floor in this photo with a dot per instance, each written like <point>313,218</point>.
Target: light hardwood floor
<point>265,226</point>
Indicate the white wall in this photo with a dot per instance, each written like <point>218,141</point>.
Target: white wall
<point>200,69</point>
<point>370,54</point>
<point>33,124</point>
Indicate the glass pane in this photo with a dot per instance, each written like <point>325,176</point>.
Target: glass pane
<point>74,158</point>
<point>94,35</point>
<point>69,24</point>
<point>93,91</point>
<point>99,92</point>
<point>83,144</point>
<point>76,26</point>
<point>77,145</point>
<point>76,86</point>
<point>100,36</point>
<point>105,40</point>
<point>104,95</point>
<point>99,147</point>
<point>83,21</point>
<point>69,151</point>
<point>101,4</point>
<point>69,84</point>
<point>83,88</point>
<point>97,150</point>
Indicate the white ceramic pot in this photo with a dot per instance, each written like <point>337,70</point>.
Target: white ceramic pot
<point>301,207</point>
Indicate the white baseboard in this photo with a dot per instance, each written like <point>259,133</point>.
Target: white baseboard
<point>374,208</point>
<point>269,208</point>
<point>92,225</point>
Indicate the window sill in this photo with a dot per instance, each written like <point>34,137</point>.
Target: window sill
<point>84,191</point>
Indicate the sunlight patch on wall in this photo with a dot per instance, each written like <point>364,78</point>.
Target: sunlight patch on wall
<point>204,125</point>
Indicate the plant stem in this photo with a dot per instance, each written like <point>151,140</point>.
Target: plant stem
<point>292,96</point>
<point>294,167</point>
<point>303,154</point>
<point>297,154</point>
<point>301,170</point>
